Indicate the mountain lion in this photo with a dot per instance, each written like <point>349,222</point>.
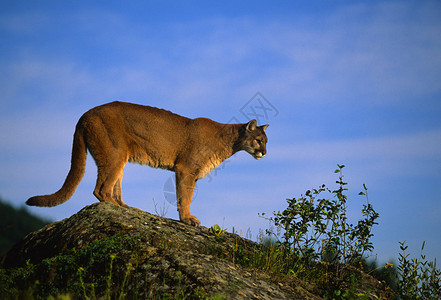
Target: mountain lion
<point>119,132</point>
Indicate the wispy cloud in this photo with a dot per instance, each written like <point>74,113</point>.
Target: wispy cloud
<point>360,53</point>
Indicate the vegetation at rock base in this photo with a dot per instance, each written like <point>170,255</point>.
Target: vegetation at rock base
<point>312,251</point>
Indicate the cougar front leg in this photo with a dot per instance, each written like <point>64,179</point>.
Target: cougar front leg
<point>185,185</point>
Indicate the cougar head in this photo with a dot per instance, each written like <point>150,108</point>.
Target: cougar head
<point>253,139</point>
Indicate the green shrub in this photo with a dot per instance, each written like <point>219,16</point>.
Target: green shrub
<point>318,229</point>
<point>315,228</point>
<point>417,278</point>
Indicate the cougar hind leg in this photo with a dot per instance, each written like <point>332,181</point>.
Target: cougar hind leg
<point>108,183</point>
<point>117,192</point>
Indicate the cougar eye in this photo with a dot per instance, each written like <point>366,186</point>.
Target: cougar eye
<point>259,141</point>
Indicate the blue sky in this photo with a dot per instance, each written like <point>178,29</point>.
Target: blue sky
<point>356,83</point>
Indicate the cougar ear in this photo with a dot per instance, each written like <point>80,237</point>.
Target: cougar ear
<point>251,125</point>
<point>264,127</point>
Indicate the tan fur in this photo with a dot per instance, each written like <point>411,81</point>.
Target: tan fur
<point>119,132</point>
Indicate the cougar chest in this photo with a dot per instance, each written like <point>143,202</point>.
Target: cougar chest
<point>212,163</point>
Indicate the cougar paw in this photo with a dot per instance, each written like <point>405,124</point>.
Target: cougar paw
<point>193,221</point>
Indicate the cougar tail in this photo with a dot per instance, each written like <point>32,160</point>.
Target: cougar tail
<point>76,172</point>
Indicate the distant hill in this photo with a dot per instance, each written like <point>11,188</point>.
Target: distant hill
<point>15,223</point>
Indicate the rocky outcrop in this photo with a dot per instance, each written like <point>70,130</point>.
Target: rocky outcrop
<point>106,250</point>
<point>170,257</point>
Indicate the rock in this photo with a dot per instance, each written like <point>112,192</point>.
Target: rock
<point>107,250</point>
<point>171,257</point>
